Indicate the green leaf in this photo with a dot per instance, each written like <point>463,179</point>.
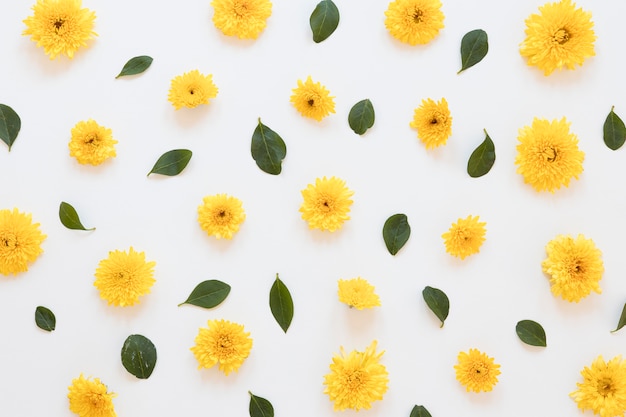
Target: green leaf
<point>45,319</point>
<point>139,356</point>
<point>482,159</point>
<point>268,149</point>
<point>324,20</point>
<point>531,333</point>
<point>438,302</point>
<point>10,124</point>
<point>622,320</point>
<point>208,294</point>
<point>281,304</point>
<point>361,116</point>
<point>171,163</point>
<point>260,407</point>
<point>396,232</point>
<point>420,411</point>
<point>136,65</point>
<point>69,217</point>
<point>614,131</point>
<point>474,47</point>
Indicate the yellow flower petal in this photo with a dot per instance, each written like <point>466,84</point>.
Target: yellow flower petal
<point>465,237</point>
<point>224,343</point>
<point>357,293</point>
<point>91,143</point>
<point>326,204</point>
<point>191,89</point>
<point>312,99</point>
<point>433,122</point>
<point>414,21</point>
<point>476,371</point>
<point>603,389</point>
<point>221,215</point>
<point>90,398</point>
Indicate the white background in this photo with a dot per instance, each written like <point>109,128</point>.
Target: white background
<point>389,170</point>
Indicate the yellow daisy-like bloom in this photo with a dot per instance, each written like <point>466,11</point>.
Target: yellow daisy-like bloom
<point>91,143</point>
<point>191,90</point>
<point>245,19</point>
<point>414,21</point>
<point>575,267</point>
<point>465,237</point>
<point>357,293</point>
<point>548,155</point>
<point>312,99</point>
<point>560,36</point>
<point>223,342</point>
<point>89,398</point>
<point>433,122</point>
<point>221,215</point>
<point>326,204</point>
<point>124,277</point>
<point>476,371</point>
<point>60,26</point>
<point>20,241</point>
<point>356,380</point>
<point>603,389</point>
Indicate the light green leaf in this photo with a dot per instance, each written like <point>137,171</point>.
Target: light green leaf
<point>482,159</point>
<point>136,65</point>
<point>268,149</point>
<point>474,47</point>
<point>69,218</point>
<point>622,320</point>
<point>281,304</point>
<point>396,232</point>
<point>438,302</point>
<point>139,356</point>
<point>531,333</point>
<point>10,125</point>
<point>260,407</point>
<point>44,318</point>
<point>614,131</point>
<point>208,294</point>
<point>172,162</point>
<point>420,411</point>
<point>361,116</point>
<point>324,20</point>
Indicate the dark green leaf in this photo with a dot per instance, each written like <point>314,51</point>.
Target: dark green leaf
<point>474,47</point>
<point>614,131</point>
<point>531,333</point>
<point>260,407</point>
<point>139,356</point>
<point>361,116</point>
<point>396,232</point>
<point>622,320</point>
<point>281,304</point>
<point>45,319</point>
<point>208,294</point>
<point>482,159</point>
<point>324,20</point>
<point>69,217</point>
<point>136,65</point>
<point>438,302</point>
<point>268,149</point>
<point>171,163</point>
<point>10,124</point>
<point>420,411</point>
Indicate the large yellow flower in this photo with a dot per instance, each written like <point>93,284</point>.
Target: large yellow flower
<point>20,241</point>
<point>90,398</point>
<point>191,89</point>
<point>414,21</point>
<point>603,389</point>
<point>476,371</point>
<point>465,237</point>
<point>60,26</point>
<point>560,36</point>
<point>312,99</point>
<point>221,215</point>
<point>548,154</point>
<point>91,143</point>
<point>223,342</point>
<point>433,122</point>
<point>357,293</point>
<point>356,380</point>
<point>245,19</point>
<point>326,204</point>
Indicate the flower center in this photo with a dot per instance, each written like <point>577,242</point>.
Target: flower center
<point>605,387</point>
<point>417,16</point>
<point>91,138</point>
<point>58,24</point>
<point>433,121</point>
<point>191,91</point>
<point>355,380</point>
<point>549,154</point>
<point>311,102</point>
<point>479,370</point>
<point>8,240</point>
<point>241,8</point>
<point>561,36</point>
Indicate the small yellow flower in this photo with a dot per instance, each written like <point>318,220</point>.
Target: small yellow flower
<point>191,89</point>
<point>20,241</point>
<point>312,99</point>
<point>476,371</point>
<point>603,389</point>
<point>326,204</point>
<point>433,122</point>
<point>90,398</point>
<point>245,19</point>
<point>465,237</point>
<point>91,143</point>
<point>357,293</point>
<point>223,342</point>
<point>414,21</point>
<point>221,215</point>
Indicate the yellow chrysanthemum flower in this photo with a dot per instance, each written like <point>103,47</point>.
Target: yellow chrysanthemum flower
<point>60,26</point>
<point>245,19</point>
<point>221,215</point>
<point>20,241</point>
<point>124,277</point>
<point>465,237</point>
<point>91,143</point>
<point>191,90</point>
<point>223,342</point>
<point>356,380</point>
<point>560,36</point>
<point>476,371</point>
<point>312,99</point>
<point>575,267</point>
<point>548,154</point>
<point>433,122</point>
<point>89,398</point>
<point>326,204</point>
<point>603,389</point>
<point>357,293</point>
<point>414,21</point>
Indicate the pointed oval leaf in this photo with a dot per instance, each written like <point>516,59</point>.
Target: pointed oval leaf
<point>396,232</point>
<point>268,149</point>
<point>474,47</point>
<point>44,318</point>
<point>324,20</point>
<point>281,304</point>
<point>531,333</point>
<point>208,294</point>
<point>420,411</point>
<point>10,125</point>
<point>438,302</point>
<point>136,65</point>
<point>260,407</point>
<point>172,162</point>
<point>482,159</point>
<point>139,356</point>
<point>622,320</point>
<point>361,116</point>
<point>69,218</point>
<point>614,131</point>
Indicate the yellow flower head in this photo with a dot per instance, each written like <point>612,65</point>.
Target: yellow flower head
<point>312,99</point>
<point>20,241</point>
<point>89,398</point>
<point>60,26</point>
<point>221,215</point>
<point>124,277</point>
<point>91,143</point>
<point>191,90</point>
<point>575,267</point>
<point>356,380</point>
<point>548,155</point>
<point>433,122</point>
<point>245,19</point>
<point>560,36</point>
<point>357,293</point>
<point>603,389</point>
<point>465,237</point>
<point>326,204</point>
<point>414,21</point>
<point>223,342</point>
<point>476,371</point>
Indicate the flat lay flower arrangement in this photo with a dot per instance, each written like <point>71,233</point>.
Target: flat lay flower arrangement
<point>266,208</point>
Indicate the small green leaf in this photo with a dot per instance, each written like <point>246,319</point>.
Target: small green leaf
<point>69,217</point>
<point>171,163</point>
<point>260,407</point>
<point>622,320</point>
<point>438,302</point>
<point>324,20</point>
<point>614,131</point>
<point>361,116</point>
<point>531,333</point>
<point>482,159</point>
<point>139,356</point>
<point>474,47</point>
<point>268,149</point>
<point>396,232</point>
<point>208,294</point>
<point>136,65</point>
<point>281,304</point>
<point>420,411</point>
<point>10,125</point>
<point>45,319</point>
